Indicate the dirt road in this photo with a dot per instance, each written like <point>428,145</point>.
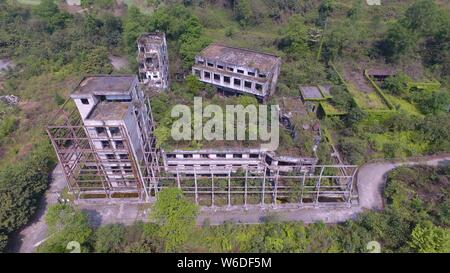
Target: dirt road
<point>371,179</point>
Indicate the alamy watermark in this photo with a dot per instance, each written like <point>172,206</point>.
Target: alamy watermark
<point>236,123</point>
<point>373,247</point>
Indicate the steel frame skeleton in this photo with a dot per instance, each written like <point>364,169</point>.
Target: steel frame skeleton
<point>90,175</point>
<point>317,185</point>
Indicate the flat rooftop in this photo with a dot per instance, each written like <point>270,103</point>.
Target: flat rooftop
<point>240,57</point>
<point>109,111</point>
<point>104,85</point>
<point>153,37</point>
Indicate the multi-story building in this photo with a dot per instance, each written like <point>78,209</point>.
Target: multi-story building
<point>103,142</point>
<point>238,70</point>
<point>153,60</point>
<point>221,161</point>
<point>103,138</point>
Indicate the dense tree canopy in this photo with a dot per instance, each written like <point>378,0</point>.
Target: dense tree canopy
<point>175,216</point>
<point>65,225</point>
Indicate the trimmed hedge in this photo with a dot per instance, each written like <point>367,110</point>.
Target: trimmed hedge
<point>379,91</point>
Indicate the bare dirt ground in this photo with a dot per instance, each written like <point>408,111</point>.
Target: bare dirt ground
<point>356,77</point>
<point>371,180</point>
<point>118,62</point>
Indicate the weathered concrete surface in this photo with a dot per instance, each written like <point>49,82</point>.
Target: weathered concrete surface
<point>371,179</point>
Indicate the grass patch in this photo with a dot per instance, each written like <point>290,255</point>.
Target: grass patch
<point>396,144</point>
<point>367,101</point>
<point>29,2</point>
<point>404,105</point>
<point>330,110</point>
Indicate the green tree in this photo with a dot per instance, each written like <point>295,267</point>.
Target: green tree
<point>49,12</point>
<point>65,224</point>
<point>294,40</point>
<point>21,185</point>
<point>399,41</point>
<point>96,62</point>
<point>47,8</point>
<point>398,84</point>
<point>7,125</point>
<point>135,23</point>
<point>3,242</point>
<point>109,238</point>
<point>113,29</point>
<point>247,100</point>
<point>436,131</point>
<point>434,102</point>
<point>355,114</point>
<point>194,85</point>
<point>354,149</point>
<point>162,134</point>
<point>176,217</point>
<point>86,3</point>
<point>243,12</point>
<point>423,16</point>
<point>326,8</point>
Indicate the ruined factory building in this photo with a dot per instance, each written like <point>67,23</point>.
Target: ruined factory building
<point>100,143</point>
<point>103,138</point>
<point>238,70</point>
<point>153,60</point>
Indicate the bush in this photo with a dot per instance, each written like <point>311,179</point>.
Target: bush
<point>175,216</point>
<point>109,238</point>
<point>7,125</point>
<point>427,238</point>
<point>353,149</point>
<point>3,242</point>
<point>65,224</point>
<point>398,84</point>
<point>434,102</point>
<point>23,184</point>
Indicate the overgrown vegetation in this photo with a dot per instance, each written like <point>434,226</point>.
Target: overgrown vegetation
<point>416,219</point>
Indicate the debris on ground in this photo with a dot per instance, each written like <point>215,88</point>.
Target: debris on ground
<point>10,99</point>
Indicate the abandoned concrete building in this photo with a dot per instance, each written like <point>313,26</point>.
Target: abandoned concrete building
<point>153,60</point>
<point>102,134</point>
<point>238,70</point>
<point>222,161</point>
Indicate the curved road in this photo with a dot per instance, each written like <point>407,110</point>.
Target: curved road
<point>371,179</point>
